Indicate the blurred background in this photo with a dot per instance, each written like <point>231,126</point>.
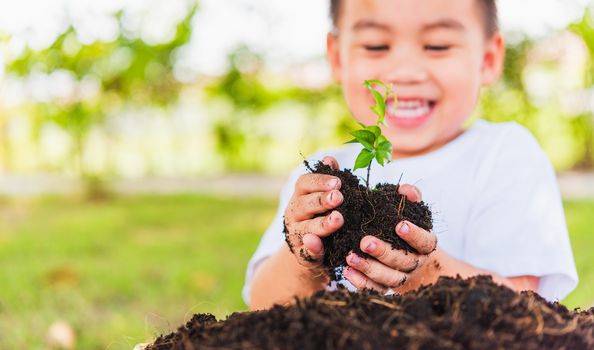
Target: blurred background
<point>143,142</point>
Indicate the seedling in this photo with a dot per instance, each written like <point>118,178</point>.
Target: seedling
<point>375,145</point>
<point>368,211</point>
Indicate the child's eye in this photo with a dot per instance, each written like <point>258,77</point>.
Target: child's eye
<point>437,47</point>
<point>376,47</point>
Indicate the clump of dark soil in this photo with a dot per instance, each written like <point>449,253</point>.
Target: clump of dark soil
<point>451,314</point>
<point>366,211</point>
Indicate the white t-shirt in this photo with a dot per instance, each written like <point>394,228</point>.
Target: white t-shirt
<point>494,199</point>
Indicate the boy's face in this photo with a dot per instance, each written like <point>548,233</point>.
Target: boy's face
<point>434,52</point>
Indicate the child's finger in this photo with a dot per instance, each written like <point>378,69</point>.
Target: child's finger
<point>314,246</point>
<point>311,252</point>
<point>306,206</point>
<point>423,241</point>
<point>397,259</point>
<point>321,226</point>
<point>410,192</point>
<point>331,161</point>
<point>309,183</point>
<point>377,272</point>
<point>360,281</point>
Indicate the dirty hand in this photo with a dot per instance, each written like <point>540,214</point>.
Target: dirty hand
<point>314,194</point>
<point>390,268</point>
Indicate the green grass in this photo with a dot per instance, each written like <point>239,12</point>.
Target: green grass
<point>580,222</point>
<point>125,270</point>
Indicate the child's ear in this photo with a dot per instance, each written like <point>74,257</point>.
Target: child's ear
<point>493,59</point>
<point>333,54</point>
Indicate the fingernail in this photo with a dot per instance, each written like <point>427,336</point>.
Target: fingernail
<point>330,196</point>
<point>370,247</point>
<point>347,273</point>
<point>355,259</point>
<point>338,196</point>
<point>404,228</point>
<point>333,183</point>
<point>307,243</point>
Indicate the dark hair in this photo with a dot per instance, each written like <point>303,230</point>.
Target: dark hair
<point>488,7</point>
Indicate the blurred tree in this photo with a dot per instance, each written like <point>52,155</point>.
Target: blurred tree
<point>251,92</point>
<point>508,100</point>
<point>245,101</point>
<point>584,123</point>
<point>126,70</point>
<point>241,88</point>
<point>566,133</point>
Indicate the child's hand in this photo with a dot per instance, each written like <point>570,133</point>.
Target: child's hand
<point>390,269</point>
<point>314,194</point>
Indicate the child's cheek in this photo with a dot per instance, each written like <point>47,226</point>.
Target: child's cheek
<point>462,88</point>
<point>358,103</point>
<point>357,96</point>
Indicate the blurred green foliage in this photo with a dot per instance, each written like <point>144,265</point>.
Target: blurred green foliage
<point>585,122</point>
<point>245,87</point>
<point>565,133</point>
<point>246,99</point>
<point>129,72</point>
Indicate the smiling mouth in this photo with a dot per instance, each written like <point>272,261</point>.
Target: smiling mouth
<point>410,112</point>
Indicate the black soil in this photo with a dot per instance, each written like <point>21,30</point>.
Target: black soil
<point>452,314</point>
<point>366,211</point>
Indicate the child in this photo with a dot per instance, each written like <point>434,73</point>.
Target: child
<point>493,192</point>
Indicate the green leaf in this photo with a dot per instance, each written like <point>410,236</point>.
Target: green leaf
<point>363,159</point>
<point>380,104</point>
<point>365,137</point>
<point>374,129</point>
<point>381,157</point>
<point>380,101</point>
<point>395,104</point>
<point>384,150</point>
<point>369,84</point>
<point>385,147</point>
<point>384,143</point>
<point>352,141</point>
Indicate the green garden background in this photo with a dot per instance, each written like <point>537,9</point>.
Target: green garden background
<point>84,116</point>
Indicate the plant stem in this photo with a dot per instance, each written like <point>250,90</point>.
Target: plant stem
<point>368,170</point>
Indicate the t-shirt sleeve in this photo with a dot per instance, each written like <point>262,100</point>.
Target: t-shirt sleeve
<point>517,226</point>
<point>273,238</point>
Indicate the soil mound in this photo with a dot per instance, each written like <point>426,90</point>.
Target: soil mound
<point>453,313</point>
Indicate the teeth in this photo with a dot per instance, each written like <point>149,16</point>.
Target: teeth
<point>411,113</point>
<point>410,109</point>
<point>412,104</point>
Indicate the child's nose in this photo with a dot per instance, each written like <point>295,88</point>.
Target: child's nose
<point>407,75</point>
<point>406,69</point>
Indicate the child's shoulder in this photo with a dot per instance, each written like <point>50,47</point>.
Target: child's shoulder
<point>510,131</point>
<point>508,153</point>
<point>505,137</point>
<point>482,144</point>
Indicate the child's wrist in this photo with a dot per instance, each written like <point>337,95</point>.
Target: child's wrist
<point>311,275</point>
<point>436,265</point>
